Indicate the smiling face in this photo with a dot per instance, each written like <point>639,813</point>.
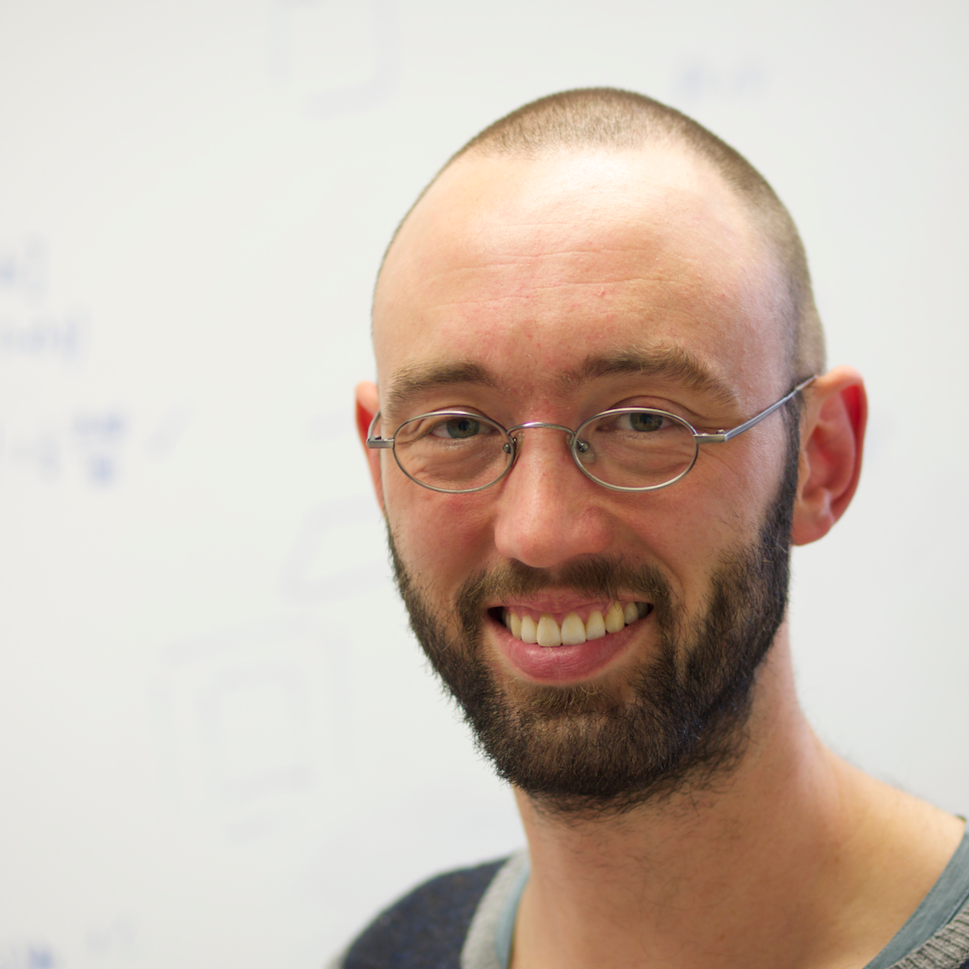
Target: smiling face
<point>565,615</point>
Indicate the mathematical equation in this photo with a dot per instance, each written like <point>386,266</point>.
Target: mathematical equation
<point>28,955</point>
<point>31,327</point>
<point>93,445</point>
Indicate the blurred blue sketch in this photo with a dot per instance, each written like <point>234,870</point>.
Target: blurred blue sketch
<point>98,438</point>
<point>92,445</point>
<point>28,955</point>
<point>89,444</point>
<point>30,328</point>
<point>43,335</point>
<point>23,268</point>
<point>702,79</point>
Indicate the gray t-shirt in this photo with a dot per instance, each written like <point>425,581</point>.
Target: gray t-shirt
<point>936,935</point>
<point>466,919</point>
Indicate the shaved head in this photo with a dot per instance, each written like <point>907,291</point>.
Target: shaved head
<point>611,120</point>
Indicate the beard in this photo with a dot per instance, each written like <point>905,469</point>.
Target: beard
<point>676,721</point>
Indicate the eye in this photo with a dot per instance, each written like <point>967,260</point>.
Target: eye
<point>460,428</point>
<point>643,421</point>
<point>637,422</point>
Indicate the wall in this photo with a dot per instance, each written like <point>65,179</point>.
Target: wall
<point>218,743</point>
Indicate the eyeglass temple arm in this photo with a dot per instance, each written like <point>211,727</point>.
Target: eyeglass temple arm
<point>734,431</point>
<point>372,440</point>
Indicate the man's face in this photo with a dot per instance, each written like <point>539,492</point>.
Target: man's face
<point>550,291</point>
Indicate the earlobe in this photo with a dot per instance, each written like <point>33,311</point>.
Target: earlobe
<point>367,405</point>
<point>836,411</point>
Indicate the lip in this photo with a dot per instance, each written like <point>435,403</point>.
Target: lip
<point>563,665</point>
<point>550,603</point>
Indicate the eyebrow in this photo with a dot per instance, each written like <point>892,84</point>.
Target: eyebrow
<point>666,361</point>
<point>410,382</point>
<point>663,360</point>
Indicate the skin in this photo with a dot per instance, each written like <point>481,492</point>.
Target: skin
<point>527,268</point>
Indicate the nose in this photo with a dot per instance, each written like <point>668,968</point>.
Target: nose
<point>548,512</point>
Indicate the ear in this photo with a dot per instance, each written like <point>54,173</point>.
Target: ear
<point>832,439</point>
<point>368,403</point>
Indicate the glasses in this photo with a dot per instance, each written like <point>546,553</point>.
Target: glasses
<point>625,449</point>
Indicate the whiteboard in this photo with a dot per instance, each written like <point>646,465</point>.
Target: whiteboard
<point>218,742</point>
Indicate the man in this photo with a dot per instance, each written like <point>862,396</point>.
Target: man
<point>602,416</point>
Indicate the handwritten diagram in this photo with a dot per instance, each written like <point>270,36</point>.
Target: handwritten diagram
<point>244,722</point>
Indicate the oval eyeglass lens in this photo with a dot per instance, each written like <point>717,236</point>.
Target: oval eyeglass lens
<point>454,452</point>
<point>636,448</point>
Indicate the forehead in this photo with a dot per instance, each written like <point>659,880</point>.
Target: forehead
<point>529,269</point>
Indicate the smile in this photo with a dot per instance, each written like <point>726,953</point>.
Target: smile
<point>573,631</point>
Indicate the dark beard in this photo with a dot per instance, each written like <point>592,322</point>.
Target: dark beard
<point>677,721</point>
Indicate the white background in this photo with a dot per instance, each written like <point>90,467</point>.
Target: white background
<point>218,743</point>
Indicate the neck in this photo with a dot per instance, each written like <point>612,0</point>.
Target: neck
<point>730,875</point>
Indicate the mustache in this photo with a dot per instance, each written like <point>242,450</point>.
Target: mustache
<point>599,577</point>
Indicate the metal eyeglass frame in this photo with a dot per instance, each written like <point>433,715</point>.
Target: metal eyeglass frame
<point>576,445</point>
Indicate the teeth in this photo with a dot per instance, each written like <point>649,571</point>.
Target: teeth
<point>614,618</point>
<point>529,630</point>
<point>595,628</point>
<point>574,632</point>
<point>549,633</point>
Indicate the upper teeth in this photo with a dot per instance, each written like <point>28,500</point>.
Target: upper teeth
<point>573,631</point>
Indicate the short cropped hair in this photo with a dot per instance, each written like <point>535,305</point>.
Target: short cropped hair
<point>609,118</point>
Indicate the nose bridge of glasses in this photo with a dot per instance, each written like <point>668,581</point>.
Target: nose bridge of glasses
<point>528,425</point>
<point>513,432</point>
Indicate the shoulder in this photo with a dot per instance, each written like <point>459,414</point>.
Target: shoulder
<point>936,935</point>
<point>946,949</point>
<point>425,929</point>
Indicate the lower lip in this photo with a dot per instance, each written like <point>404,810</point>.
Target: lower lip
<point>563,664</point>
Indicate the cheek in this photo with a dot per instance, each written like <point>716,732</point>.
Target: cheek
<point>441,537</point>
<point>720,506</point>
<point>685,538</point>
